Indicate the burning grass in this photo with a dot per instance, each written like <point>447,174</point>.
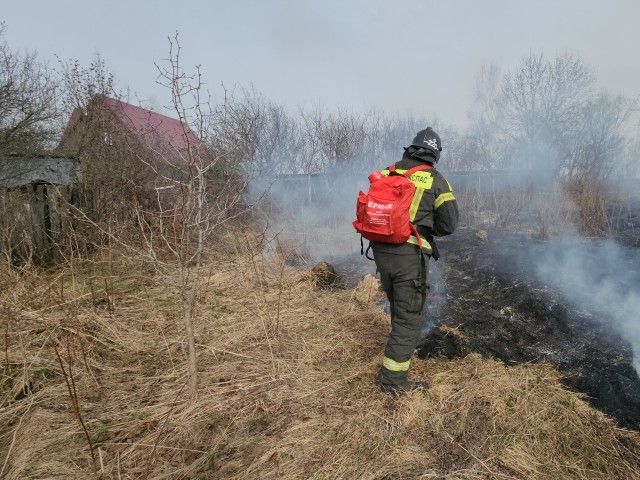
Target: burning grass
<point>286,390</point>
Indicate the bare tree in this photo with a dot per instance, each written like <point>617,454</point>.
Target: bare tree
<point>81,84</point>
<point>28,102</point>
<point>197,189</point>
<point>541,106</point>
<point>259,130</point>
<point>309,140</point>
<point>599,143</point>
<point>397,132</point>
<point>342,138</point>
<point>484,145</point>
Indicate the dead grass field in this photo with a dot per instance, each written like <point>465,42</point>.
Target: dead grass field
<point>286,388</point>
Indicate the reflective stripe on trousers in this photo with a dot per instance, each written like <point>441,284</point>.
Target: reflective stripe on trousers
<point>394,366</point>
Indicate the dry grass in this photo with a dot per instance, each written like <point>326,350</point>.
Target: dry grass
<point>591,208</point>
<point>286,390</point>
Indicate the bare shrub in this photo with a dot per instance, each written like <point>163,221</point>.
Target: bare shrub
<point>28,102</point>
<point>591,200</point>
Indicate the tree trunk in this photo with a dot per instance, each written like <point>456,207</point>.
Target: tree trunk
<point>189,299</point>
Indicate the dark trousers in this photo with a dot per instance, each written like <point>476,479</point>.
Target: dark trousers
<point>405,281</point>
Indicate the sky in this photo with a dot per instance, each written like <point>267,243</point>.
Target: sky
<point>397,56</point>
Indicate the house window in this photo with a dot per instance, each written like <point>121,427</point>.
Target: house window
<point>107,138</point>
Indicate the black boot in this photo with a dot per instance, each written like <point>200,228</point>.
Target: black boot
<point>397,382</point>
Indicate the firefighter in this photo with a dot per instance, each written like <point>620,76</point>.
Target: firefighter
<point>404,268</point>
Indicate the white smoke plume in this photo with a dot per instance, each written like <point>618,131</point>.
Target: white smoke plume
<point>315,209</point>
<point>600,277</point>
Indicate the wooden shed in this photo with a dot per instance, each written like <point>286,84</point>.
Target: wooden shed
<point>34,194</point>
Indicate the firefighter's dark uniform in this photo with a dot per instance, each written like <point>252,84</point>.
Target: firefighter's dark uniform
<point>404,270</point>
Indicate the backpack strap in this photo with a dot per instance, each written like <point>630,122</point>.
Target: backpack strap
<point>411,171</point>
<point>407,174</point>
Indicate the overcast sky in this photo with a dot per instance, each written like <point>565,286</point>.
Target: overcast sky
<point>417,56</point>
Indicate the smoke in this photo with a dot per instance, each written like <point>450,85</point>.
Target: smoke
<point>314,214</point>
<point>600,277</point>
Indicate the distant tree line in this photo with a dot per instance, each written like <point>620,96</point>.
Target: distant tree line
<point>545,113</point>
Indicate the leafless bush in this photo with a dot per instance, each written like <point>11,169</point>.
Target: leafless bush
<point>590,200</point>
<point>28,102</point>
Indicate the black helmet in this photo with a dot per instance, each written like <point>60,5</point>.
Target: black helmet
<point>429,140</point>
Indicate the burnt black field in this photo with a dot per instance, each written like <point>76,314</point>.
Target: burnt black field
<point>486,298</point>
<point>488,293</point>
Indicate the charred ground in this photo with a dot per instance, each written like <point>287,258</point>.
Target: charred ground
<point>486,299</point>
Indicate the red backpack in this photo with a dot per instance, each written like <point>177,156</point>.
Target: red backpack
<point>382,214</point>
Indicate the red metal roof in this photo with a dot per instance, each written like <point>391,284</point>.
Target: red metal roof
<point>153,128</point>
<point>150,124</point>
